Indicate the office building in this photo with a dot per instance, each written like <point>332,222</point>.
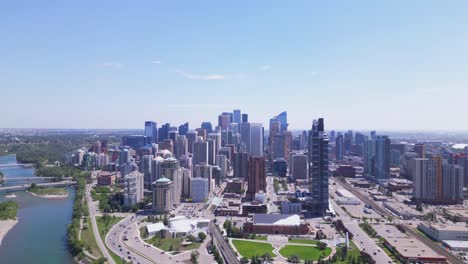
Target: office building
<point>237,117</point>
<point>191,138</point>
<point>241,165</point>
<point>207,126</point>
<point>183,129</point>
<point>299,167</point>
<point>151,132</point>
<point>200,151</point>
<point>134,141</point>
<point>256,139</point>
<point>199,189</point>
<point>256,179</point>
<point>339,147</point>
<point>181,146</point>
<point>163,132</point>
<point>223,121</point>
<point>420,149</point>
<point>170,169</point>
<point>245,118</point>
<point>204,170</point>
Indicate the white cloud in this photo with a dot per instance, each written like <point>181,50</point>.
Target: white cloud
<point>114,65</point>
<point>266,67</point>
<point>156,62</point>
<point>207,77</point>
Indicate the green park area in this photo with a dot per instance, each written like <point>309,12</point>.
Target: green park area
<point>172,243</point>
<point>303,241</point>
<point>43,191</point>
<point>304,252</point>
<point>249,249</point>
<point>8,210</point>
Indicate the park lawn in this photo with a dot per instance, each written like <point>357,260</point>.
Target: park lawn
<point>87,237</point>
<point>172,244</point>
<point>105,224</point>
<point>249,249</point>
<point>48,191</point>
<point>353,253</point>
<point>303,241</point>
<point>263,238</point>
<point>304,252</point>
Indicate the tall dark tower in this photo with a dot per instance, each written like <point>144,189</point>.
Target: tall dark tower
<point>318,173</point>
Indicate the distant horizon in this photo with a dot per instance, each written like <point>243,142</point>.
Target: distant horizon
<point>396,65</point>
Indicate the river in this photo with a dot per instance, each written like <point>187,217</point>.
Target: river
<point>40,235</point>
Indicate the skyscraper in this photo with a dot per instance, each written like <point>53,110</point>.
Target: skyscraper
<point>318,172</point>
<point>245,136</point>
<point>420,149</point>
<point>256,178</point>
<point>191,138</point>
<point>339,147</point>
<point>200,151</point>
<point>241,165</point>
<point>183,129</point>
<point>146,170</point>
<point>299,167</point>
<point>223,121</point>
<point>237,117</point>
<point>151,132</point>
<point>162,195</point>
<point>369,153</point>
<point>181,146</point>
<point>163,132</point>
<point>245,118</point>
<point>382,158</point>
<point>256,139</point>
<point>207,126</point>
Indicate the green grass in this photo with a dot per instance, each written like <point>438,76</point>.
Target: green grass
<point>262,238</point>
<point>353,253</point>
<point>117,259</point>
<point>41,191</point>
<point>249,249</point>
<point>88,238</point>
<point>303,241</point>
<point>105,223</point>
<point>167,243</point>
<point>304,252</point>
<point>8,210</point>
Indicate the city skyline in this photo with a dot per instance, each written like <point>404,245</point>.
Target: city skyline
<point>357,64</point>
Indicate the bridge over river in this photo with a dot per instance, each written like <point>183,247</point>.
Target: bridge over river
<point>24,187</point>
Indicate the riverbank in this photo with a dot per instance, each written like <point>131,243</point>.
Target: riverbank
<point>53,193</point>
<point>5,226</point>
<point>50,196</point>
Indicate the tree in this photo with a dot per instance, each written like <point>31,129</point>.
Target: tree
<point>321,245</point>
<point>202,236</point>
<point>165,221</point>
<point>194,257</point>
<point>171,248</point>
<point>244,260</point>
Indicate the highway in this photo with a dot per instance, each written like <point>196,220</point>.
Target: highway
<point>361,239</point>
<point>450,258</point>
<point>92,215</point>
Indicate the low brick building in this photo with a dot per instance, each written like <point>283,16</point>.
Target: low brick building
<point>276,224</point>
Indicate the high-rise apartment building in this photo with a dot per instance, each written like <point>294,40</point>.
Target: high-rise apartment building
<point>162,195</point>
<point>382,158</point>
<point>133,188</point>
<point>318,172</point>
<point>145,168</point>
<point>256,178</point>
<point>256,139</point>
<point>200,151</point>
<point>299,167</point>
<point>339,148</point>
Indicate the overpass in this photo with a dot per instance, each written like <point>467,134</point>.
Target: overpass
<point>24,187</point>
<point>10,179</point>
<point>16,165</point>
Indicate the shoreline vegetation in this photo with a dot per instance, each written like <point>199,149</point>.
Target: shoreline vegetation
<point>49,192</point>
<point>8,217</point>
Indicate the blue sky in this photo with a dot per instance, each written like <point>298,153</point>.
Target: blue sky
<point>114,64</point>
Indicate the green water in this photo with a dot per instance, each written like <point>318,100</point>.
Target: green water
<point>40,235</point>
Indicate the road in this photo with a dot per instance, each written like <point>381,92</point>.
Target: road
<point>138,251</point>
<point>361,239</point>
<point>270,192</point>
<point>92,215</point>
<point>450,258</point>
<point>23,187</point>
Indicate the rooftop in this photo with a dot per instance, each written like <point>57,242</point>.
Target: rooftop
<point>277,219</point>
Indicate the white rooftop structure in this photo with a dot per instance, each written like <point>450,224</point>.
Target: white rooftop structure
<point>181,224</point>
<point>154,228</point>
<point>277,219</point>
